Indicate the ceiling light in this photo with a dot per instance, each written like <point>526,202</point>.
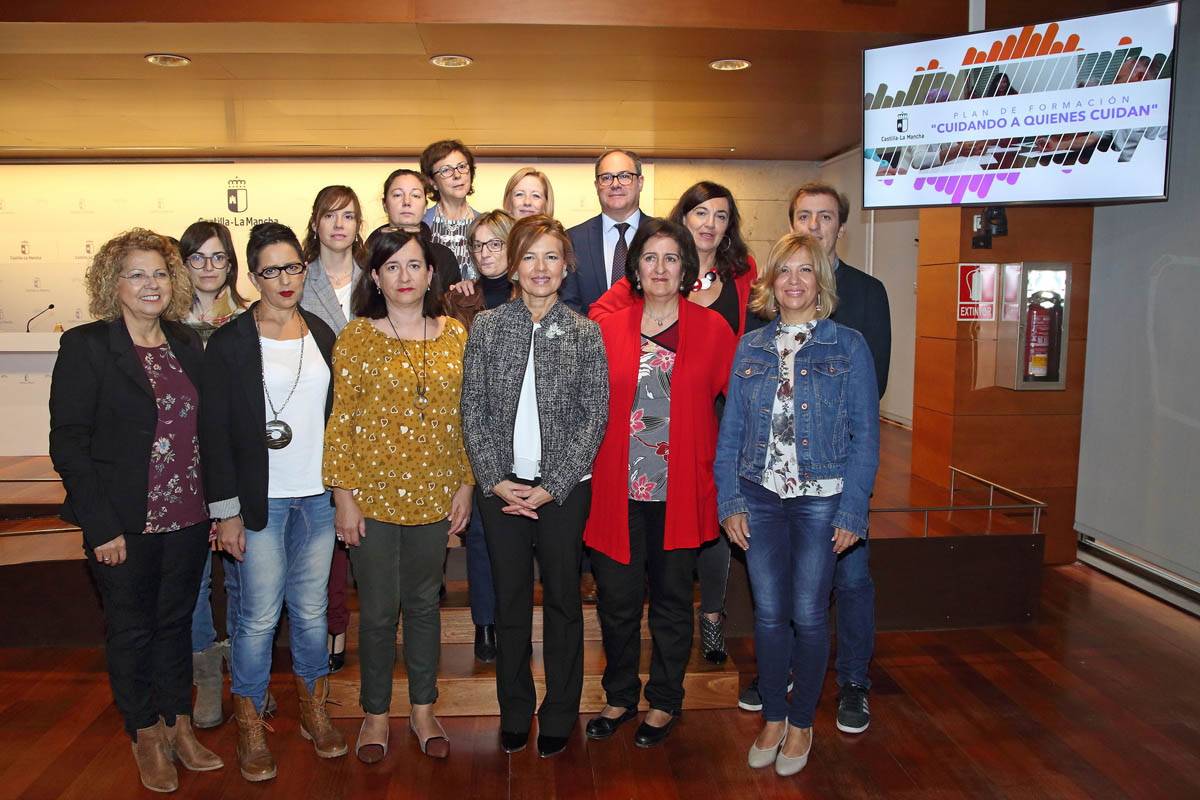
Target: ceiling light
<point>168,60</point>
<point>451,62</point>
<point>729,64</point>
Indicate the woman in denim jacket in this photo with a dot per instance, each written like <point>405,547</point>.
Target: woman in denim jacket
<point>795,465</point>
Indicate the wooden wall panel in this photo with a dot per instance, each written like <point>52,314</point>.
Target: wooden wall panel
<point>1018,449</point>
<point>977,394</point>
<point>940,235</point>
<point>933,439</point>
<point>934,374</point>
<point>936,300</point>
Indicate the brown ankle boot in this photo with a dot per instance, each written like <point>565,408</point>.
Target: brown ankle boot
<point>254,757</point>
<point>192,754</point>
<point>154,759</point>
<point>314,722</point>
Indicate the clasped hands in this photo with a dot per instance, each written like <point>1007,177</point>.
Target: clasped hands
<point>522,499</point>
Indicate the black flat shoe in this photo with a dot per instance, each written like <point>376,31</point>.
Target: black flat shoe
<point>485,643</point>
<point>600,728</point>
<point>337,658</point>
<point>514,742</point>
<point>649,736</point>
<point>551,745</point>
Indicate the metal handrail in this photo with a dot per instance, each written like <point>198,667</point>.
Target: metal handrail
<point>1037,506</point>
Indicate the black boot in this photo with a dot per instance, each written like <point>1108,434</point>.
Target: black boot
<point>485,643</point>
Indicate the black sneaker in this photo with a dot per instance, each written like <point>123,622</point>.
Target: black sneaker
<point>751,700</point>
<point>853,714</point>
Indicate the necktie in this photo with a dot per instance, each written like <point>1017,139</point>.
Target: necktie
<point>620,253</point>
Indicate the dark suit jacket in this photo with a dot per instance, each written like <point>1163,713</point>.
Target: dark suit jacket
<point>863,305</point>
<point>103,417</point>
<point>590,278</point>
<point>233,436</point>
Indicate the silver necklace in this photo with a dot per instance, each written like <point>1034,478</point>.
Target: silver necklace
<point>660,321</point>
<point>420,401</point>
<point>279,433</point>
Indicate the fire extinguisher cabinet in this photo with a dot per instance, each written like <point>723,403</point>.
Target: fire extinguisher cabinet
<point>1033,325</point>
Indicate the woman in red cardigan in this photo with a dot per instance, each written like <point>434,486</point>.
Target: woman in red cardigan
<point>668,360</point>
<point>727,273</point>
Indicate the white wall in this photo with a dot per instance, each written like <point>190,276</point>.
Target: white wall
<point>883,243</point>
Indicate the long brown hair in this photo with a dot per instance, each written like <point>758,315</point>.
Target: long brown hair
<point>334,198</point>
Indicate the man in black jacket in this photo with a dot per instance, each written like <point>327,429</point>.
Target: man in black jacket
<point>820,210</point>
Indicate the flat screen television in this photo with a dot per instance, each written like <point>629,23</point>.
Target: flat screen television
<point>1072,111</point>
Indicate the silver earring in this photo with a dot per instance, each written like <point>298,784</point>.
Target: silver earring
<point>818,301</point>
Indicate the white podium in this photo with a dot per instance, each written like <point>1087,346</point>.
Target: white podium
<point>26,363</point>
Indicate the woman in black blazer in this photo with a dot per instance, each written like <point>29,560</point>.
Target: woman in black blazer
<point>123,437</point>
<point>267,393</point>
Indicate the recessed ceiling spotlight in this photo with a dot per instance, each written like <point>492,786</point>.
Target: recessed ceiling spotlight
<point>168,60</point>
<point>729,64</point>
<point>451,62</point>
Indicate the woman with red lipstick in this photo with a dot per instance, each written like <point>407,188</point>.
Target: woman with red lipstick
<point>207,251</point>
<point>450,168</point>
<point>668,361</point>
<point>334,252</point>
<point>124,410</point>
<point>395,461</point>
<point>727,274</point>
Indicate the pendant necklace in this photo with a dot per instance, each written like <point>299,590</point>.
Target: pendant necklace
<point>660,321</point>
<point>420,401</point>
<point>704,281</point>
<point>279,433</point>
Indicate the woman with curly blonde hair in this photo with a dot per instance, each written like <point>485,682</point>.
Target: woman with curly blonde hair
<point>123,436</point>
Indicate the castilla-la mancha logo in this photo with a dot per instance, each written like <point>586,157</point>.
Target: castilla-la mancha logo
<point>235,195</point>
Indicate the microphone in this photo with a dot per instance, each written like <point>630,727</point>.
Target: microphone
<point>38,314</point>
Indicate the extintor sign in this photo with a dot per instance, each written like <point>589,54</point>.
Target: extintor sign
<point>977,292</point>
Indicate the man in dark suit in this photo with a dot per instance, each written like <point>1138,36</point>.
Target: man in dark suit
<point>820,210</point>
<point>603,241</point>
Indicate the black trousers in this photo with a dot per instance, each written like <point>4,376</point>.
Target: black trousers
<point>621,592</point>
<point>556,538</point>
<point>148,603</point>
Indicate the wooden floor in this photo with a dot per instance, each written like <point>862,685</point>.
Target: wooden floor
<point>1100,699</point>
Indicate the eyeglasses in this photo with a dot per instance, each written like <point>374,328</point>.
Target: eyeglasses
<point>145,279</point>
<point>449,171</point>
<point>198,260</point>
<point>268,273</point>
<point>495,245</point>
<point>623,178</point>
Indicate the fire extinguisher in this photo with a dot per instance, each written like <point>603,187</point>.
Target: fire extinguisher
<point>1043,336</point>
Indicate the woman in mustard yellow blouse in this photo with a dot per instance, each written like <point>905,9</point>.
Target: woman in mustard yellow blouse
<point>401,481</point>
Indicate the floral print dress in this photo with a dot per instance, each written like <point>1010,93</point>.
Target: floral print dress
<point>650,423</point>
<point>782,473</point>
<point>175,497</point>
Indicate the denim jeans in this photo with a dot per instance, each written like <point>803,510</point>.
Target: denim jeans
<point>854,605</point>
<point>287,561</point>
<point>204,632</point>
<point>791,563</point>
<point>479,571</point>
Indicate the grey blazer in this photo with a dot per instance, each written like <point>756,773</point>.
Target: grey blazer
<point>320,298</point>
<point>571,376</point>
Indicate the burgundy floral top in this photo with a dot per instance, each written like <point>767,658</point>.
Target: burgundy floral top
<point>174,498</point>
<point>650,422</point>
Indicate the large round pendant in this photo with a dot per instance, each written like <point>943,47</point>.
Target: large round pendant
<point>279,434</point>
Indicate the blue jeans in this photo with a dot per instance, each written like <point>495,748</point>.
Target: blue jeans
<point>479,571</point>
<point>791,563</point>
<point>854,605</point>
<point>204,633</point>
<point>287,561</point>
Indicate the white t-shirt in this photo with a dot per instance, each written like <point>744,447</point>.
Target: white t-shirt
<point>527,432</point>
<point>295,470</point>
<point>343,296</point>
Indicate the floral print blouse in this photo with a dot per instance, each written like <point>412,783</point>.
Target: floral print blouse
<point>175,496</point>
<point>403,462</point>
<point>782,472</point>
<point>650,423</point>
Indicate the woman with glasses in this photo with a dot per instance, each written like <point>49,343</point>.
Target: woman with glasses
<point>394,459</point>
<point>528,192</point>
<point>335,253</point>
<point>795,465</point>
<point>124,409</point>
<point>267,393</point>
<point>207,251</point>
<point>655,501</point>
<point>535,397</point>
<point>450,168</point>
<point>488,235</point>
<point>727,274</point>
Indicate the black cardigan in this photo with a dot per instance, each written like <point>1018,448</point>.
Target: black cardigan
<point>233,436</point>
<point>103,417</point>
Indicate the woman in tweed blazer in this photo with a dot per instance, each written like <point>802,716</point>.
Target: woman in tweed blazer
<point>534,406</point>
